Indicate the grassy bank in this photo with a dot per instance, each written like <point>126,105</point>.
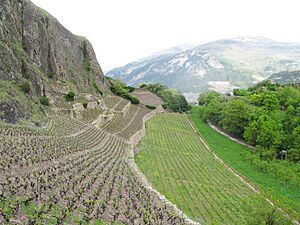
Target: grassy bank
<point>287,196</point>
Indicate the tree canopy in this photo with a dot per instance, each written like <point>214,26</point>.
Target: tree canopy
<point>266,115</point>
<point>173,99</point>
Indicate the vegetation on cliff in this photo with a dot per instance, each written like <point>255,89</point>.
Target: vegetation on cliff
<point>119,88</point>
<point>40,60</point>
<point>173,99</point>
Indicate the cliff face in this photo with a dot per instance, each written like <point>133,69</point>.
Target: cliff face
<point>36,49</point>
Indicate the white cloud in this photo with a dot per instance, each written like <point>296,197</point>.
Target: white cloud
<point>123,31</point>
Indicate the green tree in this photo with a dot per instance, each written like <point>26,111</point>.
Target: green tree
<point>264,132</point>
<point>240,92</point>
<point>206,98</point>
<point>235,116</point>
<point>70,96</point>
<point>213,111</point>
<point>294,151</point>
<point>270,101</point>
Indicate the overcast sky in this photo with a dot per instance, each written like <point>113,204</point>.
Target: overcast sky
<point>122,31</point>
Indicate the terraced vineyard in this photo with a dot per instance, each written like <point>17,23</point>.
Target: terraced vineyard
<point>147,98</point>
<point>89,115</point>
<point>112,101</point>
<point>179,165</point>
<point>84,169</point>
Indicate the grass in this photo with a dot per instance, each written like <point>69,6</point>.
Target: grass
<point>19,49</point>
<point>81,38</point>
<point>2,45</point>
<point>179,166</point>
<point>286,196</point>
<point>43,12</point>
<point>10,91</point>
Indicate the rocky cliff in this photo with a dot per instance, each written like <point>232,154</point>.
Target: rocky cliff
<point>36,49</point>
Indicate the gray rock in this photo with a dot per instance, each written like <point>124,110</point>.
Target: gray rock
<point>35,47</point>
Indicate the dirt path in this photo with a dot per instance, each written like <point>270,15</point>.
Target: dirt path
<point>228,136</point>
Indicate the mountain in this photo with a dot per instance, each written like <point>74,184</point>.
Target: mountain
<point>220,65</point>
<point>39,57</point>
<point>167,52</point>
<point>286,77</point>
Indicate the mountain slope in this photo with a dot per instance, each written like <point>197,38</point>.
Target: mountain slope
<point>219,65</point>
<point>286,77</point>
<point>37,51</point>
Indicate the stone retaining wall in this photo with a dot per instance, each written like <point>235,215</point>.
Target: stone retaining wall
<point>133,142</point>
<point>124,110</point>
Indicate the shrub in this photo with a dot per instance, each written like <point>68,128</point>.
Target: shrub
<point>97,88</point>
<point>118,87</point>
<point>151,107</point>
<point>85,104</point>
<point>131,98</point>
<point>173,99</point>
<point>25,87</point>
<point>44,100</point>
<point>143,85</point>
<point>131,89</point>
<point>70,96</point>
<point>87,65</point>
<point>50,74</point>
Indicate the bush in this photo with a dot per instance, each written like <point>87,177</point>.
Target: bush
<point>70,96</point>
<point>87,65</point>
<point>25,87</point>
<point>143,85</point>
<point>154,88</point>
<point>118,87</point>
<point>44,100</point>
<point>151,107</point>
<point>50,74</point>
<point>131,98</point>
<point>97,88</point>
<point>131,89</point>
<point>173,99</point>
<point>85,104</point>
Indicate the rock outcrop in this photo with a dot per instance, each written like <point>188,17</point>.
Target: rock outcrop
<point>36,49</point>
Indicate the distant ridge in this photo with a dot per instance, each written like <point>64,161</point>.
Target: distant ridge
<point>285,77</point>
<point>220,65</point>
